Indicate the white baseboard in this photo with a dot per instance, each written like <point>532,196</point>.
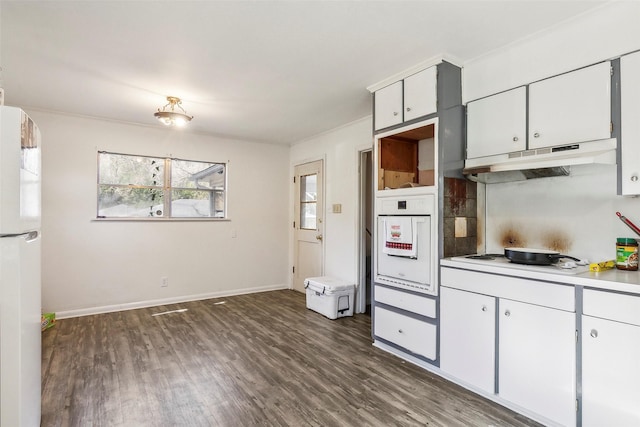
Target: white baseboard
<point>156,302</point>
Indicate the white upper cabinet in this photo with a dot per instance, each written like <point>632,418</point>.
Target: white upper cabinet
<point>570,108</point>
<point>388,106</point>
<point>420,94</point>
<point>630,123</point>
<point>408,99</point>
<point>497,124</point>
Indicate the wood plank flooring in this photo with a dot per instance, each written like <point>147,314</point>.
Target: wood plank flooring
<point>251,360</point>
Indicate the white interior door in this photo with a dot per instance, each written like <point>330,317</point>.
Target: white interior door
<point>308,223</point>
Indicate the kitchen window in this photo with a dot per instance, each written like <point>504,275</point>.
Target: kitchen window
<point>132,186</point>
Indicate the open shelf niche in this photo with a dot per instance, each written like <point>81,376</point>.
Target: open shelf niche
<point>407,159</point>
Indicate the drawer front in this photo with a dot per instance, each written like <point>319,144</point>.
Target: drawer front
<point>414,335</point>
<point>610,305</point>
<point>536,292</point>
<point>410,302</point>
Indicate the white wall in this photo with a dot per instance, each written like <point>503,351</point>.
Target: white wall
<point>89,266</point>
<point>601,34</point>
<point>577,211</point>
<point>340,150</point>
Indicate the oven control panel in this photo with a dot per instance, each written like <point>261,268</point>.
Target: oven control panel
<point>410,205</point>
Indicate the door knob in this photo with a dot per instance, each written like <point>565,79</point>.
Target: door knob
<point>319,237</point>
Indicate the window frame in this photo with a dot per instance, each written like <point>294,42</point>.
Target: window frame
<point>166,190</point>
<point>304,203</point>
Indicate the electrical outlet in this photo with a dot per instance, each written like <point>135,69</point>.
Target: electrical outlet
<point>164,282</point>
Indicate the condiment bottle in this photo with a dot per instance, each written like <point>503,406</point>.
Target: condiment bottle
<point>626,254</point>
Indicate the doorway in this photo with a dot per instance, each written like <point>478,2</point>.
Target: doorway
<point>308,259</point>
<point>365,228</point>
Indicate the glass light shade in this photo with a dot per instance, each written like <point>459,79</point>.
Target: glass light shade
<point>171,118</point>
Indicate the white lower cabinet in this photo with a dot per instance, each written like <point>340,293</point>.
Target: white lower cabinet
<point>537,354</point>
<point>526,329</point>
<point>610,359</point>
<point>610,373</point>
<point>467,337</point>
<point>415,335</point>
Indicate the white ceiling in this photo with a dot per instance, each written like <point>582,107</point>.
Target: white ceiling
<point>273,71</point>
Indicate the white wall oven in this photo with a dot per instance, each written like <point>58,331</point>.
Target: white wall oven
<point>406,251</point>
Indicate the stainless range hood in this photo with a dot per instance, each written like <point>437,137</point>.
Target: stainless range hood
<point>540,162</point>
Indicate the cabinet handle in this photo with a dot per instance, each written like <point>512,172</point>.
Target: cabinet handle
<point>507,313</point>
<point>634,178</point>
<point>484,308</point>
<point>408,108</point>
<point>594,333</point>
<point>395,113</point>
<point>536,135</point>
<point>399,331</point>
<point>515,139</point>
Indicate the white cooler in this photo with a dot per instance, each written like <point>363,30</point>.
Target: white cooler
<point>329,296</point>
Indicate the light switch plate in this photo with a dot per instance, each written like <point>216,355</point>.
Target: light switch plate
<point>337,208</point>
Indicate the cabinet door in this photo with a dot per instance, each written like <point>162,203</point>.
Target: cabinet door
<point>537,359</point>
<point>467,337</point>
<point>420,94</point>
<point>388,106</point>
<point>610,373</point>
<point>570,108</point>
<point>497,124</point>
<point>630,138</point>
<point>415,335</point>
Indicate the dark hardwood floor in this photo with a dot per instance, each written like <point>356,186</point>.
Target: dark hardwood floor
<point>250,360</point>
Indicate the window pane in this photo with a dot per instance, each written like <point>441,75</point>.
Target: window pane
<point>308,216</point>
<point>197,204</point>
<point>308,188</point>
<point>116,201</point>
<point>188,174</point>
<point>130,170</point>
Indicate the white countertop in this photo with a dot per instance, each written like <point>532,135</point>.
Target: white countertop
<point>615,280</point>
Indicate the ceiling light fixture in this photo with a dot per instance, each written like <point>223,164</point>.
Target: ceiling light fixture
<point>171,117</point>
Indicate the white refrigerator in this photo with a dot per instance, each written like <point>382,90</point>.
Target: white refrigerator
<point>20,293</point>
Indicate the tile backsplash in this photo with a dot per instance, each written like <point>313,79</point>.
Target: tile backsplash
<point>460,217</point>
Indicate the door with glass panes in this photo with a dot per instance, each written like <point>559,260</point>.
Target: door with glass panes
<point>308,223</point>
